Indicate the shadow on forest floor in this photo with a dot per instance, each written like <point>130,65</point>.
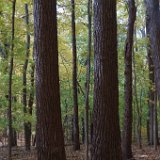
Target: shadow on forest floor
<point>146,153</point>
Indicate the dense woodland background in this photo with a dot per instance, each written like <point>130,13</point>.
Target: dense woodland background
<point>102,96</point>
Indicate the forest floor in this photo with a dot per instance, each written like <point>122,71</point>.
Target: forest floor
<point>146,153</point>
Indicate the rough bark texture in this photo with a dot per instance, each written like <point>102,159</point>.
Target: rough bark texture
<point>27,125</point>
<point>106,130</point>
<point>153,34</point>
<point>75,94</point>
<point>127,132</point>
<point>10,136</point>
<point>154,13</point>
<point>50,141</point>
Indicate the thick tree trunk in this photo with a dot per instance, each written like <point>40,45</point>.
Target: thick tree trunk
<point>152,7</point>
<point>153,33</point>
<point>106,130</point>
<point>10,136</point>
<point>49,141</point>
<point>27,125</point>
<point>75,94</point>
<point>127,132</point>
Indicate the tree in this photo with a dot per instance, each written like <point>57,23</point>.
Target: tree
<point>10,136</point>
<point>50,141</point>
<point>106,130</point>
<point>151,78</point>
<point>75,94</point>
<point>27,125</point>
<point>127,132</point>
<point>31,98</point>
<point>154,13</point>
<point>88,72</point>
<point>153,33</point>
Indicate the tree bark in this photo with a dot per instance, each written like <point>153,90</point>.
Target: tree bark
<point>27,125</point>
<point>153,33</point>
<point>50,141</point>
<point>87,85</point>
<point>14,138</point>
<point>137,103</point>
<point>75,94</point>
<point>155,121</point>
<point>151,78</point>
<point>106,130</point>
<point>31,98</point>
<point>10,83</point>
<point>153,11</point>
<point>127,132</point>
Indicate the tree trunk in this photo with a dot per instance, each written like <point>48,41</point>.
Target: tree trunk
<point>10,83</point>
<point>155,121</point>
<point>153,33</point>
<point>152,7</point>
<point>31,100</point>
<point>106,129</point>
<point>88,69</point>
<point>127,132</point>
<point>75,94</point>
<point>49,141</point>
<point>14,137</point>
<point>138,123</point>
<point>151,78</point>
<point>83,131</point>
<point>66,122</point>
<point>27,125</point>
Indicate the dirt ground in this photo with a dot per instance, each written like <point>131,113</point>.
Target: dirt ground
<point>146,153</point>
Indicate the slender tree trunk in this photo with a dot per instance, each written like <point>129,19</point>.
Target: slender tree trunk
<point>140,118</point>
<point>31,99</point>
<point>83,131</point>
<point>138,126</point>
<point>91,132</point>
<point>157,128</point>
<point>134,122</point>
<point>127,133</point>
<point>106,130</point>
<point>88,68</point>
<point>49,133</point>
<point>10,83</point>
<point>66,121</point>
<point>72,130</point>
<point>155,121</point>
<point>75,94</point>
<point>151,78</point>
<point>27,126</point>
<point>14,137</point>
<point>14,132</point>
